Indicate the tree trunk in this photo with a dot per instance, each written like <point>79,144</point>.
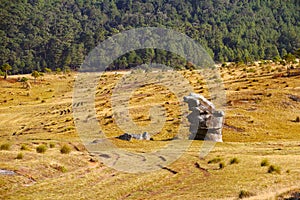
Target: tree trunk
<point>5,75</point>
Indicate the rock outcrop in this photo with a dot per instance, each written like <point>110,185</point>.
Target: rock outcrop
<point>206,121</point>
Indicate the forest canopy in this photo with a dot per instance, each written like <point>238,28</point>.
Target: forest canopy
<point>51,34</point>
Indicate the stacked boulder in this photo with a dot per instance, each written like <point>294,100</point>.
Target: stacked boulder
<point>206,121</point>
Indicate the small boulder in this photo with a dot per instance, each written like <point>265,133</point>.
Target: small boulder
<point>125,136</point>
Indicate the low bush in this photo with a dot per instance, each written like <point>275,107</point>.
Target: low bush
<point>274,169</point>
<point>41,149</point>
<point>24,147</point>
<point>19,156</point>
<point>234,161</point>
<point>5,146</point>
<point>264,162</point>
<point>65,149</point>
<point>62,169</point>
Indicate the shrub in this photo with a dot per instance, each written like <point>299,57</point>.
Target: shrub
<point>19,156</point>
<point>58,70</point>
<point>244,194</point>
<point>47,70</point>
<point>5,146</point>
<point>23,79</point>
<point>65,149</point>
<point>275,169</point>
<point>62,169</point>
<point>24,147</point>
<point>41,149</point>
<point>59,168</point>
<point>215,160</point>
<point>221,165</point>
<point>234,161</point>
<point>264,162</point>
<point>52,145</point>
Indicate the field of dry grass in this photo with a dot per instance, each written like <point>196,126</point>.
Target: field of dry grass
<point>260,124</point>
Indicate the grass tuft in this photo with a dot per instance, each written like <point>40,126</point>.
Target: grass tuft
<point>264,162</point>
<point>24,147</point>
<point>65,149</point>
<point>234,161</point>
<point>5,146</point>
<point>274,169</point>
<point>62,169</point>
<point>19,156</point>
<point>41,149</point>
<point>52,145</point>
<point>245,194</point>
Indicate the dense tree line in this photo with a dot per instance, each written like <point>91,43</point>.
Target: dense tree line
<point>39,34</point>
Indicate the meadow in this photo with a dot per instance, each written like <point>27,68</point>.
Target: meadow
<point>259,158</point>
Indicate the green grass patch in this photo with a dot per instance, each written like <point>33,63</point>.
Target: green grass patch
<point>24,147</point>
<point>41,149</point>
<point>5,146</point>
<point>65,149</point>
<point>20,156</point>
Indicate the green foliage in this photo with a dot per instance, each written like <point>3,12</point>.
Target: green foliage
<point>58,70</point>
<point>65,149</point>
<point>61,169</point>
<point>47,70</point>
<point>24,79</point>
<point>53,34</point>
<point>24,147</point>
<point>35,75</point>
<point>5,146</point>
<point>234,161</point>
<point>264,162</point>
<point>41,148</point>
<point>297,53</point>
<point>20,156</point>
<point>52,145</point>
<point>289,58</point>
<point>274,169</point>
<point>251,70</point>
<point>6,67</point>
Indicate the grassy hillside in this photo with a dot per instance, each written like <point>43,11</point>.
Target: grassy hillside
<point>259,125</point>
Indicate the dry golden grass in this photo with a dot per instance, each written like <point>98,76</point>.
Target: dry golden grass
<point>259,125</point>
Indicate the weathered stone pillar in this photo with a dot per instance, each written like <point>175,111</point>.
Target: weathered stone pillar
<point>206,121</point>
